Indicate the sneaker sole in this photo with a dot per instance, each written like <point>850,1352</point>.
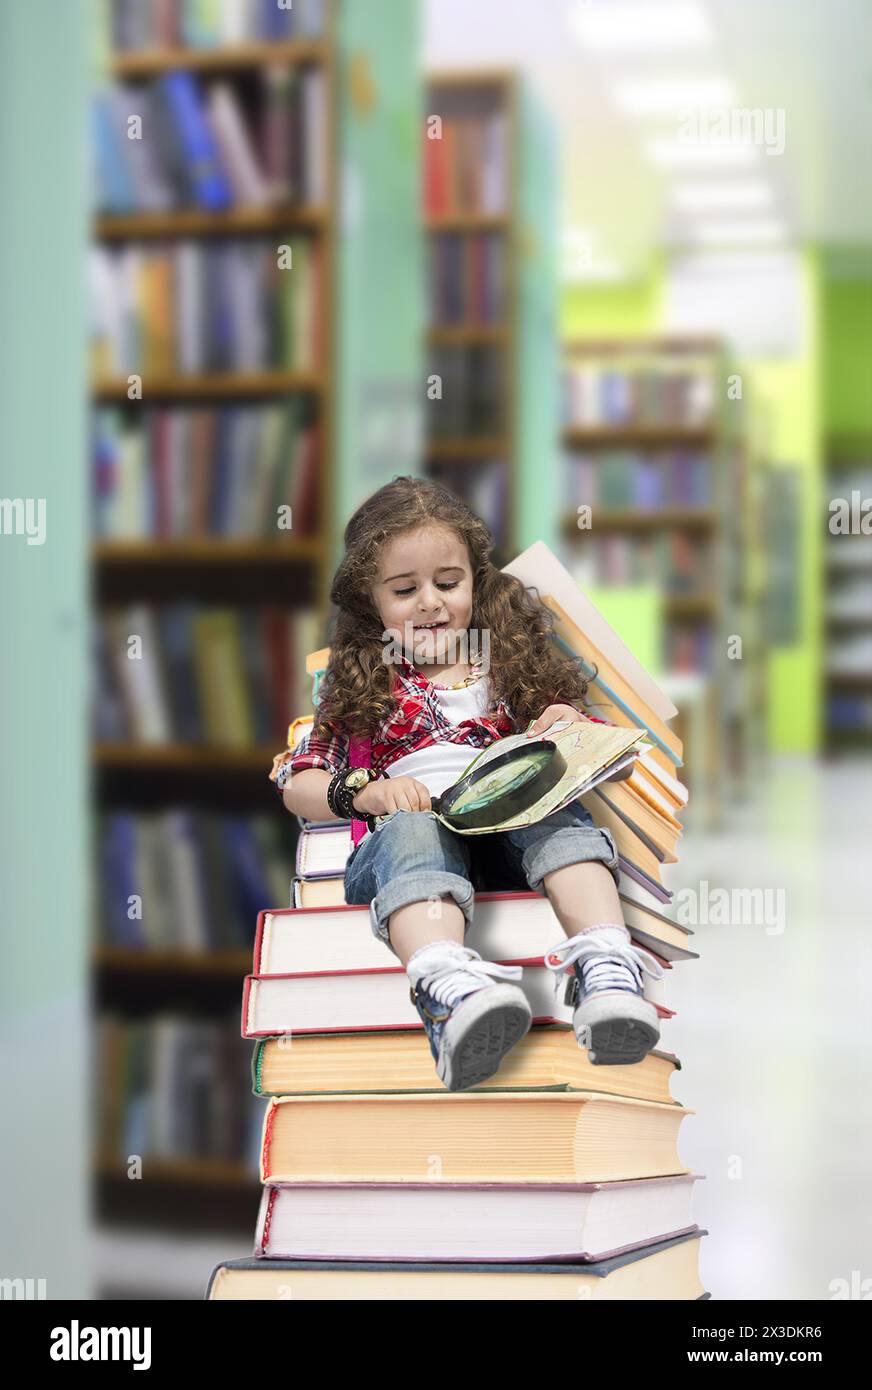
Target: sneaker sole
<point>622,1028</point>
<point>479,1034</point>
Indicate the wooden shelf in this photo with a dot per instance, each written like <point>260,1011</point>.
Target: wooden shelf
<point>150,63</point>
<point>196,1172</point>
<point>300,550</point>
<point>467,222</point>
<point>854,680</point>
<point>854,620</point>
<point>501,79</point>
<point>690,605</point>
<point>141,757</point>
<point>196,222</point>
<point>643,436</point>
<point>125,960</point>
<point>214,386</point>
<point>462,335</point>
<point>633,519</point>
<point>459,450</point>
<point>703,344</point>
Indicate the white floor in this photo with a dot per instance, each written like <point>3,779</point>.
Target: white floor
<point>772,1030</point>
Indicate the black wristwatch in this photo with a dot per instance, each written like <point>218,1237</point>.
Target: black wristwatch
<point>344,788</point>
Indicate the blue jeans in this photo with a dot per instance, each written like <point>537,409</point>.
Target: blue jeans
<point>412,857</point>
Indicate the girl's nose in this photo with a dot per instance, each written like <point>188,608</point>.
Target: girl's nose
<point>429,600</point>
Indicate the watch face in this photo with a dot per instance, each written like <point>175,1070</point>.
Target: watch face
<point>357,779</point>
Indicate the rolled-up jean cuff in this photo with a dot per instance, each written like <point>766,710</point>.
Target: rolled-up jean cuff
<point>415,888</point>
<point>572,845</point>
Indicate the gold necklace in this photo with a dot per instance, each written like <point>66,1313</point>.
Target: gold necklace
<point>474,675</point>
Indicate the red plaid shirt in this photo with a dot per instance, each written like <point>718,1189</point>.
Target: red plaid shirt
<point>417,722</point>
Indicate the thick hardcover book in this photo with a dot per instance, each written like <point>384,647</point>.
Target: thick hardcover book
<point>672,1273</point>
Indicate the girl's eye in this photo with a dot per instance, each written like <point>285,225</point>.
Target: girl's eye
<point>401,593</point>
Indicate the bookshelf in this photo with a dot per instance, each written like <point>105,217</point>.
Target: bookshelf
<point>490,220</point>
<point>661,490</point>
<point>167,539</point>
<point>847,615</point>
<point>748,748</point>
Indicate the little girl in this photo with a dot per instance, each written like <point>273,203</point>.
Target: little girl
<point>417,596</point>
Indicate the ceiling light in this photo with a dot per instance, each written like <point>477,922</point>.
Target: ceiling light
<point>661,96</point>
<point>706,197</point>
<point>732,233</point>
<point>625,25</point>
<point>676,152</point>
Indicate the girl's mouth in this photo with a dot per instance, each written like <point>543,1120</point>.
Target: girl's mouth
<point>430,627</point>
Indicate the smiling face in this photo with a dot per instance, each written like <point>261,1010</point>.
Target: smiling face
<point>424,595</point>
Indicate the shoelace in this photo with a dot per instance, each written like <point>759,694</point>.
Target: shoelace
<point>616,956</point>
<point>445,984</point>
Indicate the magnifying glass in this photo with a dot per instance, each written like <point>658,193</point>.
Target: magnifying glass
<point>501,789</point>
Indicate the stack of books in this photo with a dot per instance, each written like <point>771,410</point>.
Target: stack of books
<point>557,1178</point>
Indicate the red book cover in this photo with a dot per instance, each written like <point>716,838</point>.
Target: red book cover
<point>435,175</point>
<point>305,502</point>
<point>202,437</point>
<point>162,481</point>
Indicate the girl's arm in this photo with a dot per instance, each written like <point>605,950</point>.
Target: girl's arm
<point>305,794</point>
<point>302,777</point>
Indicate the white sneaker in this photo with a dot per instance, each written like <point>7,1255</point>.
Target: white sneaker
<point>471,1022</point>
<point>611,1019</point>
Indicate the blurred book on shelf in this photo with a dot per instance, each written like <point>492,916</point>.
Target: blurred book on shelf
<point>847,660</point>
<point>184,879</point>
<point>173,1088</point>
<point>195,307</point>
<point>850,655</point>
<point>649,479</point>
<point>627,390</point>
<point>471,392</point>
<point>134,26</point>
<point>188,141</point>
<point>850,714</point>
<point>851,598</point>
<point>467,278</point>
<point>485,489</point>
<point>466,158</point>
<point>674,562</point>
<point>182,473</point>
<point>690,648</point>
<point>185,673</point>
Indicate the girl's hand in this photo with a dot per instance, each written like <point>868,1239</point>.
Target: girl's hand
<point>551,715</point>
<point>389,794</point>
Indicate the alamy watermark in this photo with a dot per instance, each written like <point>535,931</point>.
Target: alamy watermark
<point>731,907</point>
<point>851,518</point>
<point>22,1289</point>
<point>23,516</point>
<point>471,646</point>
<point>735,125</point>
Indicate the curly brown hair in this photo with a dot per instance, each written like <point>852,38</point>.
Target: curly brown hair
<point>527,670</point>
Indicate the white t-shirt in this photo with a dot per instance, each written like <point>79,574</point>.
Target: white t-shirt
<point>440,765</point>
